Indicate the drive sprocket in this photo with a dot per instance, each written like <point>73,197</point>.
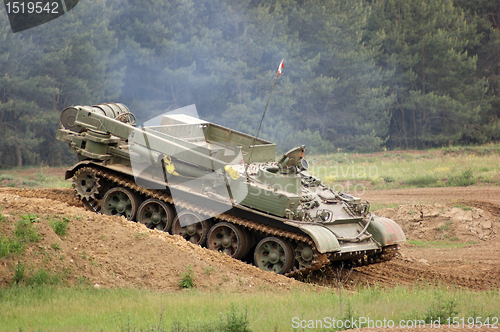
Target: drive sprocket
<point>86,183</point>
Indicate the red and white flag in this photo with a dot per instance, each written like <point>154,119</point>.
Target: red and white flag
<point>281,67</point>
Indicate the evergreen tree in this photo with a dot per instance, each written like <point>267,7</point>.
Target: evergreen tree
<point>342,94</point>
<point>485,15</point>
<point>440,97</point>
<point>165,45</point>
<point>20,92</point>
<point>68,61</point>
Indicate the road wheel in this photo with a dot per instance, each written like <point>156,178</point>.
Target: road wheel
<point>156,214</point>
<point>274,255</point>
<point>120,201</point>
<point>195,229</point>
<point>228,238</point>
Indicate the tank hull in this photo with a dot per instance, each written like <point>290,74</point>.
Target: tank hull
<point>195,179</point>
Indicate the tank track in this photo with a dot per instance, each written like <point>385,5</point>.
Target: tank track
<point>319,260</point>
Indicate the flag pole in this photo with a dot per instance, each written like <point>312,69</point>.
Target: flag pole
<point>280,69</point>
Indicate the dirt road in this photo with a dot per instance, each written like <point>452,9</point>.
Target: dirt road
<point>464,222</point>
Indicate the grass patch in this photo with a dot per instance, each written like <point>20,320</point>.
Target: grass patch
<point>9,246</point>
<point>38,277</point>
<point>2,217</point>
<point>433,168</point>
<point>465,179</point>
<point>446,227</point>
<point>441,310</point>
<point>19,274</point>
<point>423,181</point>
<point>59,225</point>
<point>380,206</point>
<point>7,177</point>
<point>25,231</point>
<point>43,277</point>
<point>187,279</point>
<point>389,179</point>
<point>439,244</point>
<point>233,322</point>
<point>32,177</point>
<point>90,309</point>
<point>463,207</point>
<point>209,270</point>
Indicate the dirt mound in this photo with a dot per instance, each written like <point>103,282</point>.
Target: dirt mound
<point>114,252</point>
<point>63,195</point>
<point>459,223</point>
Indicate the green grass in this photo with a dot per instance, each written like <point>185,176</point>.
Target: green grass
<point>422,181</point>
<point>440,244</point>
<point>28,276</point>
<point>380,206</point>
<point>187,279</point>
<point>463,207</point>
<point>51,308</point>
<point>446,227</point>
<point>462,166</point>
<point>59,225</point>
<point>9,246</point>
<point>38,177</point>
<point>25,230</point>
<point>7,177</point>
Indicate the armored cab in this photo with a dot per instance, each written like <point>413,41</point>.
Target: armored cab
<point>219,188</point>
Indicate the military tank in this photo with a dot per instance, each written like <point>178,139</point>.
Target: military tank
<point>220,188</point>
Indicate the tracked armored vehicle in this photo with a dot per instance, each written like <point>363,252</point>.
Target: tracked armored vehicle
<point>220,188</point>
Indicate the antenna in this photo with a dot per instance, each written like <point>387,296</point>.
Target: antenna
<point>280,69</point>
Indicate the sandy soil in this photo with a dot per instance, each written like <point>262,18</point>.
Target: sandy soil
<point>464,225</point>
<point>120,253</point>
<point>113,252</point>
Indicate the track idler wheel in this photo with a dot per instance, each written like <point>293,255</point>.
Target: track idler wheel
<point>304,255</point>
<point>156,214</point>
<point>228,238</point>
<point>120,201</point>
<point>195,229</point>
<point>274,255</point>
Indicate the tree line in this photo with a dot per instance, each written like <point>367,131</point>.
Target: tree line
<point>360,75</point>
